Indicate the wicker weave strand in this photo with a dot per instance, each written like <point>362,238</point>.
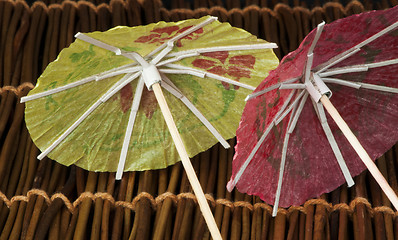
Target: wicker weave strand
<point>71,206</point>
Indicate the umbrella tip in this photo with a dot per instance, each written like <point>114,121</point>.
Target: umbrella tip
<point>119,175</point>
<point>230,185</point>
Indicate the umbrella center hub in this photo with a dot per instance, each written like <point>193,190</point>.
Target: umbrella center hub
<point>151,75</point>
<point>316,87</point>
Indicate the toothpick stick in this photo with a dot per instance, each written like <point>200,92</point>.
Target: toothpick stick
<point>193,179</point>
<point>360,151</point>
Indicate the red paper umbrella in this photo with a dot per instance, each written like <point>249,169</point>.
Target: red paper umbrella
<point>288,150</point>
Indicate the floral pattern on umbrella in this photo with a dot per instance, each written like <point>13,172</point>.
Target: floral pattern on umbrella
<point>221,63</point>
<point>84,73</point>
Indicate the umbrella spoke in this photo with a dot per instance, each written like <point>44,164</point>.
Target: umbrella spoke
<point>344,70</point>
<point>129,68</point>
<point>183,34</point>
<point>224,48</point>
<point>294,104</point>
<point>214,76</point>
<point>298,112</point>
<point>377,35</point>
<point>292,86</point>
<point>273,87</point>
<point>307,70</point>
<point>58,89</point>
<point>333,144</point>
<point>119,85</point>
<point>382,64</point>
<point>177,58</point>
<point>285,104</point>
<point>129,129</point>
<point>318,33</point>
<point>231,184</point>
<point>169,86</point>
<point>335,60</point>
<point>130,55</point>
<point>358,68</point>
<point>358,85</point>
<point>98,43</point>
<point>183,71</point>
<point>163,53</point>
<point>281,169</point>
<point>342,82</point>
<point>357,47</point>
<point>116,72</point>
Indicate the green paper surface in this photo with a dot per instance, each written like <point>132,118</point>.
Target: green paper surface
<point>96,143</point>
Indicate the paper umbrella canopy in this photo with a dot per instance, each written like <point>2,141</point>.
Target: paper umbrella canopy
<point>79,110</point>
<point>288,149</point>
<point>101,106</point>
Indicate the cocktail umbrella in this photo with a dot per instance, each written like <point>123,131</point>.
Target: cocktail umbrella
<point>288,150</point>
<point>90,107</point>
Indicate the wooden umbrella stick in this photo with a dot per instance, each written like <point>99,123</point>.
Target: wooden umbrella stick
<point>360,151</point>
<point>193,179</point>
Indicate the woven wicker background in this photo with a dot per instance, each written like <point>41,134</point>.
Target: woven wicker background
<point>44,200</point>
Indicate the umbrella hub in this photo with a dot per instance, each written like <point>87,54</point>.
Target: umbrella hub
<point>151,75</point>
<point>316,87</point>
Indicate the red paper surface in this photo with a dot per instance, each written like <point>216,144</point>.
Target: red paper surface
<point>311,167</point>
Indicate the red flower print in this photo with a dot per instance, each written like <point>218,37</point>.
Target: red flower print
<point>191,36</point>
<point>148,100</point>
<point>167,30</point>
<point>219,63</point>
<point>161,35</point>
<point>126,97</point>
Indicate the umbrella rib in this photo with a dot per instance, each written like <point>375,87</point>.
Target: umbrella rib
<point>318,33</point>
<point>336,60</point>
<point>333,144</point>
<point>357,47</point>
<point>294,103</point>
<point>129,129</point>
<point>177,58</point>
<point>298,112</point>
<point>231,184</point>
<point>214,76</point>
<point>120,70</point>
<point>169,86</point>
<point>292,86</point>
<point>163,53</point>
<point>285,104</point>
<point>182,71</point>
<point>122,82</point>
<point>377,35</point>
<point>225,48</point>
<point>98,43</point>
<point>130,55</point>
<point>58,89</point>
<point>273,87</point>
<point>281,169</point>
<point>342,82</point>
<point>358,85</point>
<point>344,70</point>
<point>358,68</point>
<point>183,34</point>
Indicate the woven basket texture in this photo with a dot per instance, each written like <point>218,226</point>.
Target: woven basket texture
<point>45,200</point>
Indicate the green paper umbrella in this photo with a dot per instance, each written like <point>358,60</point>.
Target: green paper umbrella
<point>100,106</point>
